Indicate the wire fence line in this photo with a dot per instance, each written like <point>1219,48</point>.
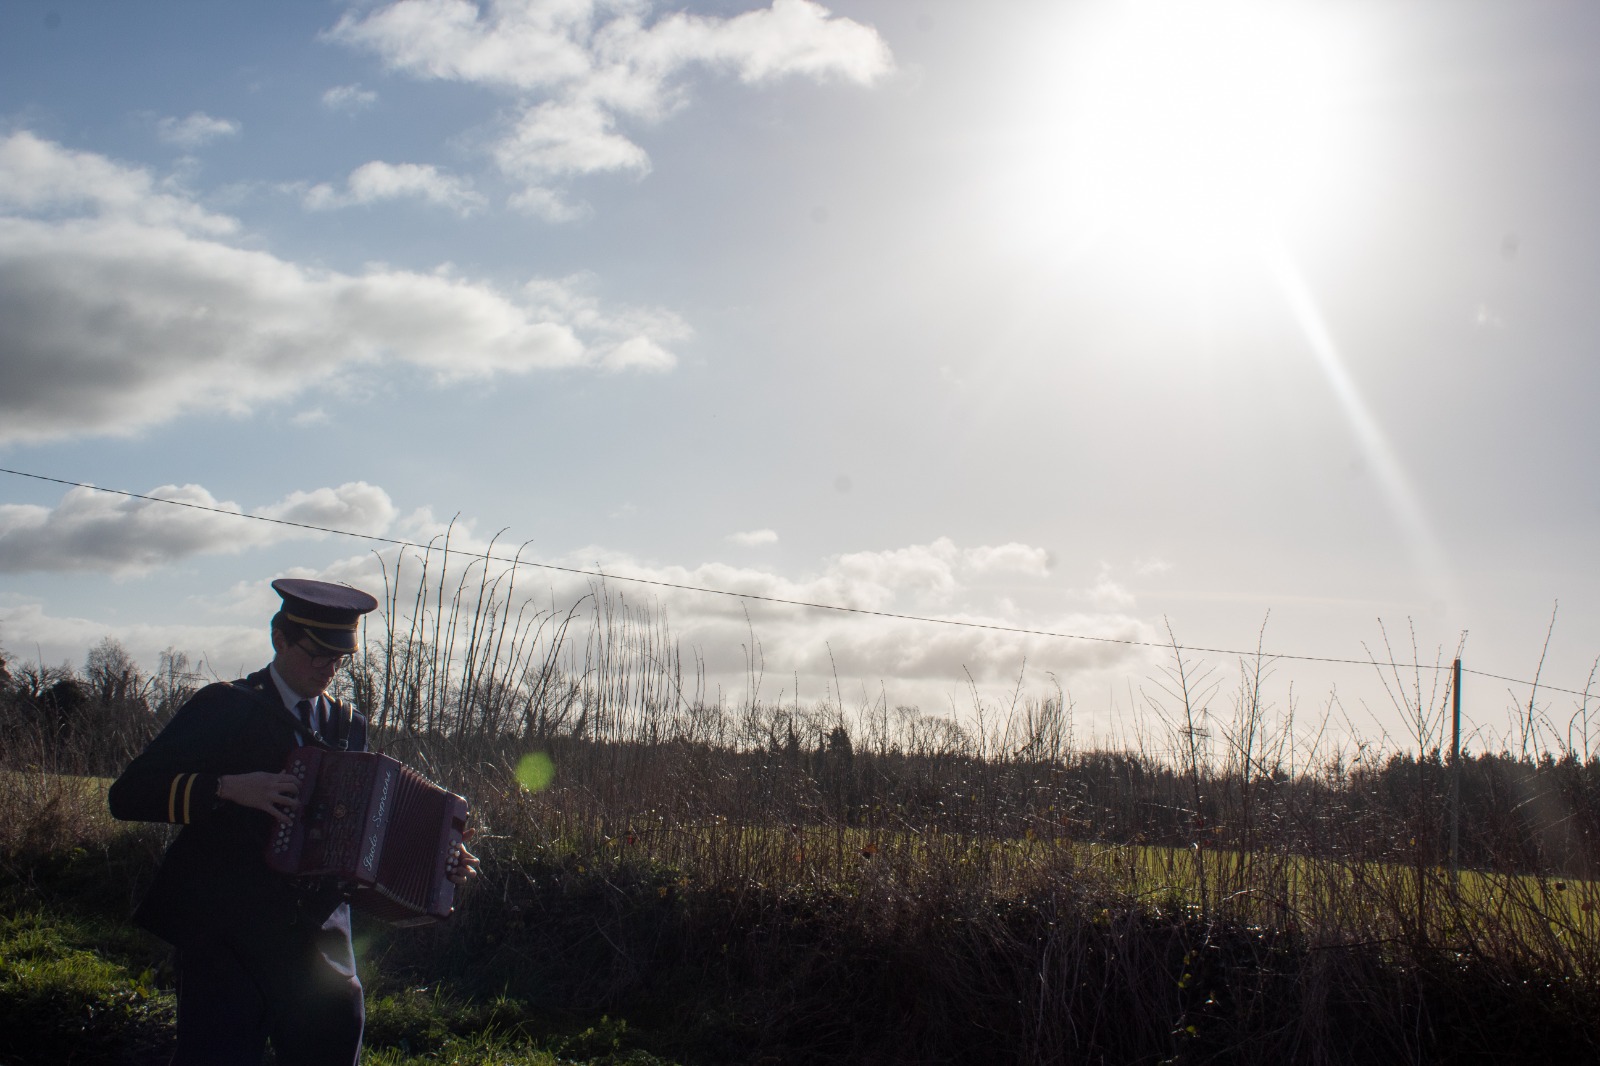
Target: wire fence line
<point>518,561</point>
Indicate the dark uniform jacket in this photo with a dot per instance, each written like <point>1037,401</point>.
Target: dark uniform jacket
<point>214,879</point>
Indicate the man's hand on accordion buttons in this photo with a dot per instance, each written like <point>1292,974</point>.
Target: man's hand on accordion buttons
<point>463,866</point>
<point>277,794</point>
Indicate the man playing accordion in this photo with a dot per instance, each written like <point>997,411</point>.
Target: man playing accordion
<point>259,955</point>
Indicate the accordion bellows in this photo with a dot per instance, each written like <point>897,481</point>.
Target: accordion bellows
<point>385,830</point>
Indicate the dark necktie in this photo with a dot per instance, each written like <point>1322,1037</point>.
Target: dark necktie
<point>308,716</point>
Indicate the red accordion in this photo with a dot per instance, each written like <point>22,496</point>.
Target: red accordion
<point>373,822</point>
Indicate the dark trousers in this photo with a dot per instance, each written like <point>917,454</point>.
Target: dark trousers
<point>297,988</point>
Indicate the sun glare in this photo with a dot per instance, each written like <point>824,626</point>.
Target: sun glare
<point>1188,130</point>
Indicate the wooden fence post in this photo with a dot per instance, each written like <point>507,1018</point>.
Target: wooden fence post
<point>1455,773</point>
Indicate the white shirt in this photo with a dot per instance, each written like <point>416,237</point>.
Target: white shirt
<point>291,700</point>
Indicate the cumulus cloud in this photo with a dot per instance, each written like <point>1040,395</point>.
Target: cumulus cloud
<point>578,68</point>
<point>924,659</point>
<point>120,308</point>
<point>1107,592</point>
<point>111,533</point>
<point>195,130</point>
<point>377,181</point>
<point>925,662</point>
<point>354,507</point>
<point>750,645</point>
<point>224,632</point>
<point>933,573</point>
<point>1012,558</point>
<point>548,204</point>
<point>41,177</point>
<point>753,537</point>
<point>620,339</point>
<point>217,650</point>
<point>938,577</point>
<point>349,98</point>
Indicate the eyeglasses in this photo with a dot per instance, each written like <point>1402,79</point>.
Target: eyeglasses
<point>320,659</point>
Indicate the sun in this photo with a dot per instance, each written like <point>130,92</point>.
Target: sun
<point>1188,130</point>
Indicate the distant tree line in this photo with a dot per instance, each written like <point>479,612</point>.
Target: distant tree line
<point>89,720</point>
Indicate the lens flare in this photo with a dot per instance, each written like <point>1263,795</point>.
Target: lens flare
<point>1400,495</point>
<point>536,771</point>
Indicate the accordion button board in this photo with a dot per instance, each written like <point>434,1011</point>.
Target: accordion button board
<point>387,832</point>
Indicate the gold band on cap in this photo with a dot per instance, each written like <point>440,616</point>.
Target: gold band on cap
<point>351,626</point>
<point>330,647</point>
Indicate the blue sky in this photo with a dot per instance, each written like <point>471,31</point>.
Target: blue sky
<point>1066,316</point>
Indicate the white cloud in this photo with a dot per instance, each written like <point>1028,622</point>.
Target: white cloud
<point>753,538</point>
<point>915,579</point>
<point>349,98</point>
<point>195,130</point>
<point>225,651</point>
<point>1009,558</point>
<point>377,181</point>
<point>622,340</point>
<point>923,659</point>
<point>548,204</point>
<point>120,310</point>
<point>920,662</point>
<point>790,37</point>
<point>224,632</point>
<point>1107,593</point>
<point>521,45</point>
<point>567,137</point>
<point>637,353</point>
<point>354,507</point>
<point>929,575</point>
<point>578,66</point>
<point>41,177</point>
<point>110,533</point>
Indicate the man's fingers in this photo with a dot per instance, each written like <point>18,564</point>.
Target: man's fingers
<point>463,864</point>
<point>276,794</point>
<point>280,796</point>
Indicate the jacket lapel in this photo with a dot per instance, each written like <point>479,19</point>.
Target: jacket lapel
<point>260,687</point>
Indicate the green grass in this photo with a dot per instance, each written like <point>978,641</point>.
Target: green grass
<point>77,989</point>
<point>416,1028</point>
<point>84,990</point>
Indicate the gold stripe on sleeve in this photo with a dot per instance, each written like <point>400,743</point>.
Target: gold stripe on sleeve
<point>187,789</point>
<point>172,799</point>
